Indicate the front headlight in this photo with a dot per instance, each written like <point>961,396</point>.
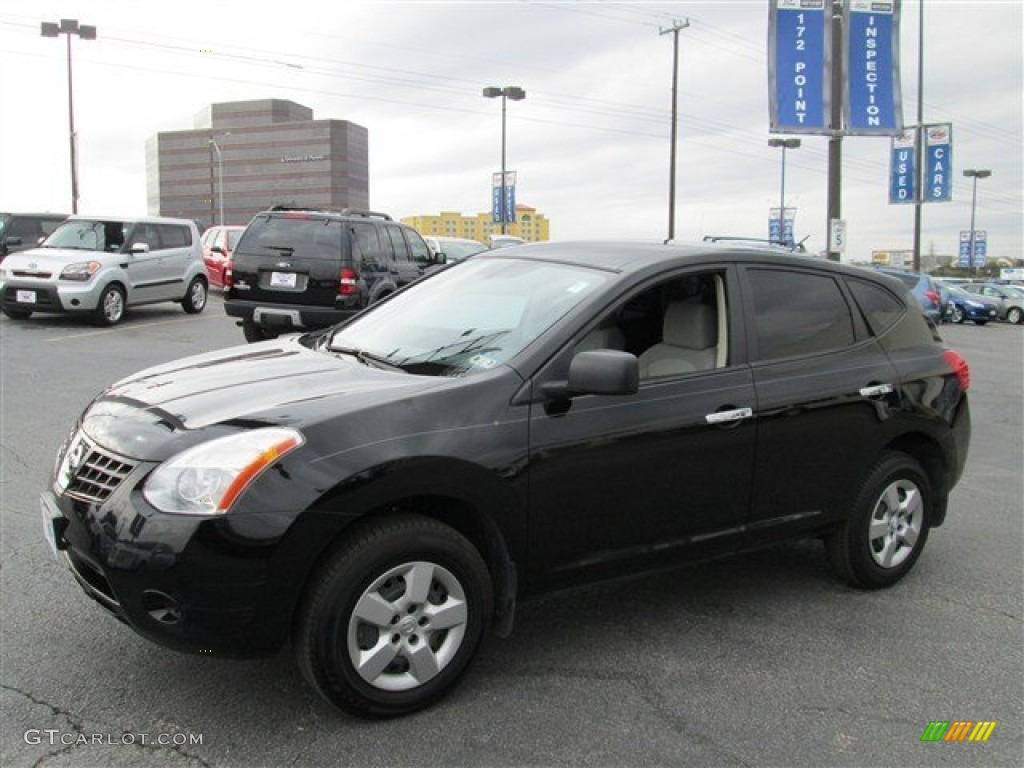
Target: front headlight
<point>81,271</point>
<point>207,478</point>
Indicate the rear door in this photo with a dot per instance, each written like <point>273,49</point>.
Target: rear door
<point>176,259</point>
<point>290,258</point>
<point>403,269</point>
<point>825,390</point>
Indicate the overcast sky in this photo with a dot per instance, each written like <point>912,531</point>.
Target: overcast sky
<point>590,143</point>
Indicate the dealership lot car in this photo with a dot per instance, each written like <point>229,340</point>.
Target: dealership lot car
<point>965,306</point>
<point>383,492</point>
<point>219,244</point>
<point>100,266</point>
<point>21,231</point>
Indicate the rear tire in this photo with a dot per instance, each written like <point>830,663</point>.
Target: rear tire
<point>254,333</point>
<point>394,617</point>
<point>110,309</point>
<point>956,315</point>
<point>1015,315</point>
<point>195,299</point>
<point>887,525</point>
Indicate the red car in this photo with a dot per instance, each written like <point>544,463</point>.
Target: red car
<point>218,245</point>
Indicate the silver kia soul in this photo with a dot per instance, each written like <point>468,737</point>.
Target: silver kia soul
<point>98,266</point>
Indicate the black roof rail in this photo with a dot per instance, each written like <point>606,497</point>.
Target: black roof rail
<point>367,214</point>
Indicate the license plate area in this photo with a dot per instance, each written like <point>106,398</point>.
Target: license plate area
<point>284,281</point>
<point>25,297</point>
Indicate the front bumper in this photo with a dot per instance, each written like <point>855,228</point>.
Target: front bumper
<point>40,296</point>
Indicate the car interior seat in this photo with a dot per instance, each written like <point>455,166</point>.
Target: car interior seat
<point>689,341</point>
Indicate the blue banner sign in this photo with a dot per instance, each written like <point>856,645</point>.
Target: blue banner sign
<point>873,104</point>
<point>799,66</point>
<point>783,235</point>
<point>903,168</point>
<point>510,198</point>
<point>980,248</point>
<point>938,164</point>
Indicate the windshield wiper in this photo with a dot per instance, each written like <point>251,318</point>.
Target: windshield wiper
<point>366,358</point>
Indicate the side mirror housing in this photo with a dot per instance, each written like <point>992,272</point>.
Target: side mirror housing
<point>598,372</point>
<point>140,248</point>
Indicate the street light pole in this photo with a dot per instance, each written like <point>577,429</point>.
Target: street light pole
<point>974,174</point>
<point>785,144</point>
<point>516,94</point>
<point>220,179</point>
<point>674,30</point>
<point>70,27</point>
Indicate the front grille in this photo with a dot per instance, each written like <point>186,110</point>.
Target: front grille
<point>98,475</point>
<point>32,273</point>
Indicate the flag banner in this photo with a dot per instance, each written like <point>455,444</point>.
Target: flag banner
<point>509,214</point>
<point>873,105</point>
<point>496,197</point>
<point>903,168</point>
<point>783,234</point>
<point>980,255</point>
<point>938,163</point>
<point>800,67</point>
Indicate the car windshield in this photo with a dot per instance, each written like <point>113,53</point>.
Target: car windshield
<point>469,318</point>
<point>89,235</point>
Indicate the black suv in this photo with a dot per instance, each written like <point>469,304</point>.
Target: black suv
<point>20,231</point>
<point>299,269</point>
<point>383,492</point>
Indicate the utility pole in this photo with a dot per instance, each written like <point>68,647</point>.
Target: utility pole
<point>835,142</point>
<point>919,138</point>
<point>674,29</point>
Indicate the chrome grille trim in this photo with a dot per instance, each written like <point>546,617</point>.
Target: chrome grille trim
<point>99,475</point>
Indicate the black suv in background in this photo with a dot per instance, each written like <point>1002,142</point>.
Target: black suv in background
<point>301,269</point>
<point>19,231</point>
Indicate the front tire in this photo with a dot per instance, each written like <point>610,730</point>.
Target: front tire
<point>195,299</point>
<point>887,526</point>
<point>956,315</point>
<point>110,309</point>
<point>394,618</point>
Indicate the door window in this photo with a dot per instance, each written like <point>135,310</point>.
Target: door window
<point>420,251</point>
<point>401,248</point>
<point>797,313</point>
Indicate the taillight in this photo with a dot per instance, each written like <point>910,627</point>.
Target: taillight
<point>347,285</point>
<point>932,296</point>
<point>959,366</point>
<point>228,276</point>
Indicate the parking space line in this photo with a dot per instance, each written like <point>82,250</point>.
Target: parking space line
<point>72,336</point>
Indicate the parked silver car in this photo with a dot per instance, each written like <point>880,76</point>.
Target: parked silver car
<point>98,266</point>
<point>1010,299</point>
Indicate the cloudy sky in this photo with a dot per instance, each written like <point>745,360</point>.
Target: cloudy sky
<point>590,143</point>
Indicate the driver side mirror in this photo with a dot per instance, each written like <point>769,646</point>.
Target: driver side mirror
<point>598,372</point>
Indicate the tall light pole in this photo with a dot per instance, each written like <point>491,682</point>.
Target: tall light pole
<point>785,144</point>
<point>70,27</point>
<point>674,30</point>
<point>220,177</point>
<point>975,174</point>
<point>516,94</point>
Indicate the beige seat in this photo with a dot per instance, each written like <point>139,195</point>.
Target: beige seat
<point>602,338</point>
<point>689,341</point>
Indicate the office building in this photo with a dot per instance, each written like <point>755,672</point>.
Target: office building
<point>529,225</point>
<point>271,152</point>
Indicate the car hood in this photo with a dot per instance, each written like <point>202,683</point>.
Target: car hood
<point>49,259</point>
<point>163,409</point>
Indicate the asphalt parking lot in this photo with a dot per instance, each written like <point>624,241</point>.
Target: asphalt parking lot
<point>758,660</point>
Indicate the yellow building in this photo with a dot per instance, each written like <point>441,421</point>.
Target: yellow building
<point>529,225</point>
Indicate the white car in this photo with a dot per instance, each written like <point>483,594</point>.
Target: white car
<point>98,266</point>
<point>453,248</point>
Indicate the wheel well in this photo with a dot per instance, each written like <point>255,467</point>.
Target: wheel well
<point>929,455</point>
<point>463,517</point>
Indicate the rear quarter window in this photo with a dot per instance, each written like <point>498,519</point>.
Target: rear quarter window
<point>880,308</point>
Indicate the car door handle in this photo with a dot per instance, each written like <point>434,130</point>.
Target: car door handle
<point>723,417</point>
<point>874,390</point>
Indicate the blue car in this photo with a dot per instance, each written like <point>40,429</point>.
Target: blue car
<point>969,306</point>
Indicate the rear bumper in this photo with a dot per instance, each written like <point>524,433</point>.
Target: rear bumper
<point>285,317</point>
